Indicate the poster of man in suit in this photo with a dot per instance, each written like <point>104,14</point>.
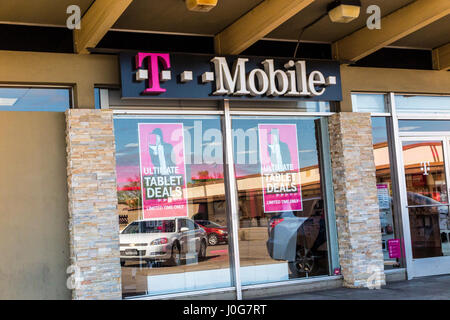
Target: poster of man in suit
<point>279,152</point>
<point>163,172</point>
<point>160,151</point>
<point>280,168</point>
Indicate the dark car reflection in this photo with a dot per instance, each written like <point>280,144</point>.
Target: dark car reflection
<point>301,241</point>
<point>415,199</point>
<point>216,233</point>
<point>430,225</point>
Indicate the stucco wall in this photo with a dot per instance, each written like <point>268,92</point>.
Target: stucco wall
<point>81,72</point>
<point>391,80</point>
<point>34,235</point>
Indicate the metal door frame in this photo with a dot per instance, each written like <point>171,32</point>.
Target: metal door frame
<point>424,266</point>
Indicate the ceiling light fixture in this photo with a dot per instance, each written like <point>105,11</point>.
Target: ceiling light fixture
<point>344,11</point>
<point>201,5</point>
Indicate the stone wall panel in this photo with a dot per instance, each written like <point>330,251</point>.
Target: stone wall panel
<point>93,221</point>
<point>357,212</point>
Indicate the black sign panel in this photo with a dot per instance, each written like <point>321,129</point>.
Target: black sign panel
<point>196,76</point>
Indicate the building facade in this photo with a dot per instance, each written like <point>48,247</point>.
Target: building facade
<point>155,174</point>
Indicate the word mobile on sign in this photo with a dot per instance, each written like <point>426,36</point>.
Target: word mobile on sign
<point>184,76</point>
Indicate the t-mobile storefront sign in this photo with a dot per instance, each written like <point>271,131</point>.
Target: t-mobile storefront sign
<point>185,76</point>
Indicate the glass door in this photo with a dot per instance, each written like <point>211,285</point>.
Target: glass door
<point>426,204</point>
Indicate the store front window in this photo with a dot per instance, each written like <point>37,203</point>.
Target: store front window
<point>175,220</point>
<point>420,104</point>
<point>408,126</point>
<point>282,224</point>
<point>384,189</point>
<point>172,206</point>
<point>35,99</point>
<point>369,102</point>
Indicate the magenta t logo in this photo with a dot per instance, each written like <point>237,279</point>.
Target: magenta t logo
<point>153,69</point>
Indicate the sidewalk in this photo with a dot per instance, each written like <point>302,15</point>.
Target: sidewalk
<point>429,288</point>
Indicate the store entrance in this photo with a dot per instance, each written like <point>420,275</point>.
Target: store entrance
<point>425,205</point>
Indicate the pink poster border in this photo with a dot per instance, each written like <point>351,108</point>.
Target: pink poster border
<point>298,164</point>
<point>184,164</point>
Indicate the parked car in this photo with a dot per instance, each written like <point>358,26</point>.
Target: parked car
<point>298,240</point>
<point>166,240</point>
<point>216,233</point>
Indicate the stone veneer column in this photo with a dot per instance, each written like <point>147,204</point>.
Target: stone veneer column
<point>93,222</point>
<point>357,213</point>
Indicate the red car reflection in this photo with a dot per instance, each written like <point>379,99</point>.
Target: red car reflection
<point>216,233</point>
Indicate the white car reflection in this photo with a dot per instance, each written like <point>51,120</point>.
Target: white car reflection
<point>166,240</point>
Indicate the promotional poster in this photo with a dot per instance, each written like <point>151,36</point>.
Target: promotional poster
<point>162,168</point>
<point>394,247</point>
<point>280,168</point>
<point>383,196</point>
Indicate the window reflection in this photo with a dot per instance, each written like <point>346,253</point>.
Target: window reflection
<point>384,188</point>
<point>424,125</point>
<point>427,198</point>
<point>282,232</point>
<point>365,102</point>
<point>425,172</point>
<point>34,99</point>
<point>418,104</point>
<point>429,231</point>
<point>172,209</point>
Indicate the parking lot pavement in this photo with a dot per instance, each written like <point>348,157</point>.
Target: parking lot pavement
<point>427,288</point>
